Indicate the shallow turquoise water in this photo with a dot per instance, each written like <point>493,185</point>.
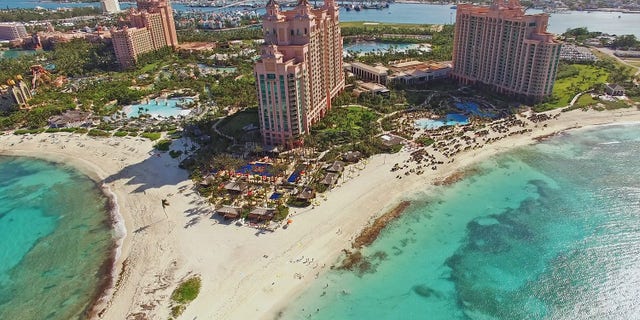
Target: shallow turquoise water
<point>55,237</point>
<point>550,231</point>
<point>372,46</point>
<point>12,54</point>
<point>159,107</point>
<point>451,119</point>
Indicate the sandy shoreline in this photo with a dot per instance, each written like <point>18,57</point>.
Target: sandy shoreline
<point>246,274</point>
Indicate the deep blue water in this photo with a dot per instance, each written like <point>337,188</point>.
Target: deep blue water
<point>550,231</point>
<point>55,238</point>
<point>608,22</point>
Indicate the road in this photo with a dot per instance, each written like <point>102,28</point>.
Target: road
<point>610,52</point>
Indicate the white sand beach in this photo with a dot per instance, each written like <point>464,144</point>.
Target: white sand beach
<point>246,273</point>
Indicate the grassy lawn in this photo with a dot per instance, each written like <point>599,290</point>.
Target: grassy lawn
<point>345,124</point>
<point>233,124</point>
<point>148,68</point>
<point>586,100</point>
<point>583,77</point>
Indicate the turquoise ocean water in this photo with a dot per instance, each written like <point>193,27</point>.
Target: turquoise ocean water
<point>550,231</point>
<point>55,240</point>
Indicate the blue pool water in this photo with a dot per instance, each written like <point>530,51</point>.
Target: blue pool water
<point>262,169</point>
<point>473,108</point>
<point>214,70</point>
<point>449,120</point>
<point>372,46</point>
<point>55,237</point>
<point>275,196</point>
<point>550,231</point>
<point>159,107</point>
<point>12,54</point>
<point>293,177</point>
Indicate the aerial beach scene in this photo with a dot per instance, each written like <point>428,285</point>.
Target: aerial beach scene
<point>409,184</point>
<point>310,246</point>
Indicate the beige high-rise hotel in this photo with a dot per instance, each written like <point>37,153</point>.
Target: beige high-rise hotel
<point>500,47</point>
<point>299,71</point>
<point>150,28</point>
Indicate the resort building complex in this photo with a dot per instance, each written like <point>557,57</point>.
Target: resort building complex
<point>12,31</point>
<point>299,71</point>
<point>110,6</point>
<point>502,48</point>
<point>149,28</point>
<point>14,94</point>
<point>377,73</point>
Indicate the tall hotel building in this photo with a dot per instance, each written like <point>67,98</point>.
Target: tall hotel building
<point>110,6</point>
<point>299,71</point>
<point>12,31</point>
<point>151,27</point>
<point>502,48</point>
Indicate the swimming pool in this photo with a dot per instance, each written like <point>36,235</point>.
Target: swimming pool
<point>449,120</point>
<point>214,70</point>
<point>262,169</point>
<point>159,107</point>
<point>363,47</point>
<point>473,108</point>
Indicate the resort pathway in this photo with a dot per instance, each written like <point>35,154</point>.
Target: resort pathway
<point>611,53</point>
<point>576,97</point>
<point>215,128</point>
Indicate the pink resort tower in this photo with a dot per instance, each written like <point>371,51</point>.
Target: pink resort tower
<point>501,48</point>
<point>299,71</point>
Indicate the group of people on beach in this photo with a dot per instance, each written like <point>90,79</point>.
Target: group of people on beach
<point>449,141</point>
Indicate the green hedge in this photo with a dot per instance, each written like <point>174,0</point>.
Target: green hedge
<point>185,293</point>
<point>163,145</point>
<point>153,136</point>
<point>98,133</point>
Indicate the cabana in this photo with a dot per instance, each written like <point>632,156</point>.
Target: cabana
<point>229,212</point>
<point>352,156</point>
<point>330,179</point>
<point>336,167</point>
<point>390,140</point>
<point>236,186</point>
<point>261,214</point>
<point>306,194</point>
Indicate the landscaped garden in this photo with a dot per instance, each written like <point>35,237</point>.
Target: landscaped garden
<point>571,80</point>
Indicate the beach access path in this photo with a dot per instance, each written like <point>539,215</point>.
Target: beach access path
<point>246,273</point>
